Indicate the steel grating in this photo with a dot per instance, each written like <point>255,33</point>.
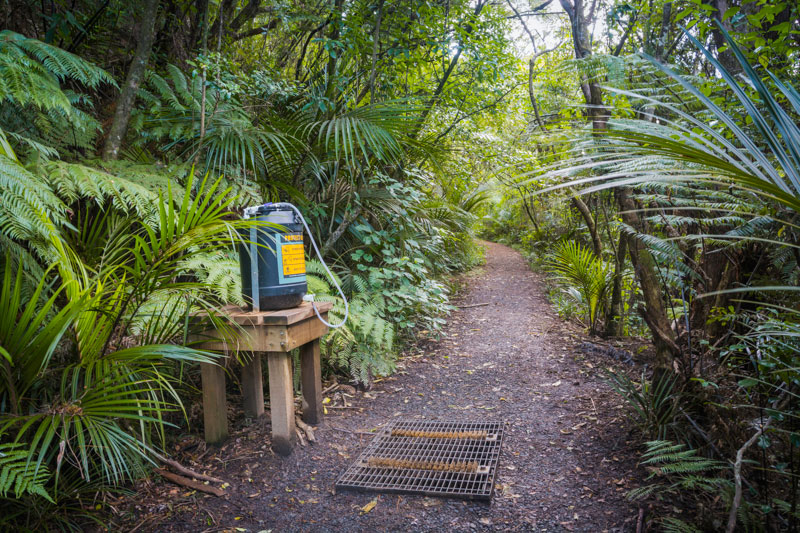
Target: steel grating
<point>452,459</point>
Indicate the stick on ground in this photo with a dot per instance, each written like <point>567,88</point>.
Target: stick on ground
<point>186,471</point>
<point>190,483</point>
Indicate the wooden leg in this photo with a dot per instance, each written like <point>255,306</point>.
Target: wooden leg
<point>311,379</point>
<point>281,400</point>
<point>215,409</point>
<point>253,387</point>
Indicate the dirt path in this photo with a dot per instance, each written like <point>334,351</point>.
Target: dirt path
<point>565,464</point>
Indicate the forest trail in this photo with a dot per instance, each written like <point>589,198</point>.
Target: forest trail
<point>565,465</point>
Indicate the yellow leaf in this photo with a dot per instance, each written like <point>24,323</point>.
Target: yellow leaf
<point>324,410</point>
<point>326,400</point>
<point>370,506</point>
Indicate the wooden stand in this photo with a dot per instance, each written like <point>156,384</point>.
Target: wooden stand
<point>275,333</point>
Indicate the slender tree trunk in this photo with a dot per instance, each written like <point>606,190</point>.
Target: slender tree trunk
<point>469,28</point>
<point>613,320</point>
<point>591,225</point>
<point>655,314</point>
<point>376,37</point>
<point>122,113</point>
<point>348,219</point>
<point>203,75</point>
<point>336,27</point>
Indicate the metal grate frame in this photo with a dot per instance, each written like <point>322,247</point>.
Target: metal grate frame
<point>461,484</point>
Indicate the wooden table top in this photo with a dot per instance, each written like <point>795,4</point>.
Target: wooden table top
<point>282,317</point>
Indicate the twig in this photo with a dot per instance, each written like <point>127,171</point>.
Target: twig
<point>306,429</point>
<point>183,470</point>
<point>343,407</point>
<point>737,475</point>
<point>332,387</point>
<point>473,305</point>
<point>640,520</point>
<point>300,437</point>
<point>192,484</point>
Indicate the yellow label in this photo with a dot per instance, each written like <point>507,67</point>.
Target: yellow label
<point>294,259</point>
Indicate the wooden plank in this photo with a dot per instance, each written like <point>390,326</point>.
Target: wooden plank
<point>267,338</point>
<point>248,338</point>
<point>311,381</point>
<point>283,317</point>
<point>304,332</point>
<point>281,400</point>
<point>215,408</point>
<point>253,387</point>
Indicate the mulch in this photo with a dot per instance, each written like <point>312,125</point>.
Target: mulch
<point>569,455</point>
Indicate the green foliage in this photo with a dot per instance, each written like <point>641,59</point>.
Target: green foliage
<point>577,266</point>
<point>364,346</point>
<point>653,404</point>
<point>37,113</point>
<point>16,475</point>
<point>679,469</point>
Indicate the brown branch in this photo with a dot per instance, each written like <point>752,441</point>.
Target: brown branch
<point>306,429</point>
<point>591,225</point>
<point>190,483</point>
<point>183,470</point>
<point>257,31</point>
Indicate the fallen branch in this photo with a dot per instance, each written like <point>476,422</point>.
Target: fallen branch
<point>472,305</point>
<point>190,483</point>
<point>332,387</point>
<point>306,429</point>
<point>300,437</point>
<point>183,470</point>
<point>640,520</point>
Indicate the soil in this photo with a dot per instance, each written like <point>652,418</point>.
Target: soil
<point>568,456</point>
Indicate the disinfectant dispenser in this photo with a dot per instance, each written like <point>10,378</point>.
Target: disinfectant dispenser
<point>272,260</point>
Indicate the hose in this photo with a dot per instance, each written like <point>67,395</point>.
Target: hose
<point>321,260</point>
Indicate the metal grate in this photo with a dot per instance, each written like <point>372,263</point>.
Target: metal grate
<point>454,459</point>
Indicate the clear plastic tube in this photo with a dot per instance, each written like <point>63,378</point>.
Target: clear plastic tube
<point>314,244</point>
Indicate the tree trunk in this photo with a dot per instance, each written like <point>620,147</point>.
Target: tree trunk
<point>613,320</point>
<point>122,113</point>
<point>590,225</point>
<point>726,57</point>
<point>376,36</point>
<point>655,313</point>
<point>336,27</point>
<point>469,28</point>
<point>643,263</point>
<point>348,219</point>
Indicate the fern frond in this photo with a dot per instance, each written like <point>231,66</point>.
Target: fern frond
<point>18,476</point>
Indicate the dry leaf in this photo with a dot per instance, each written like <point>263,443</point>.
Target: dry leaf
<point>370,506</point>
